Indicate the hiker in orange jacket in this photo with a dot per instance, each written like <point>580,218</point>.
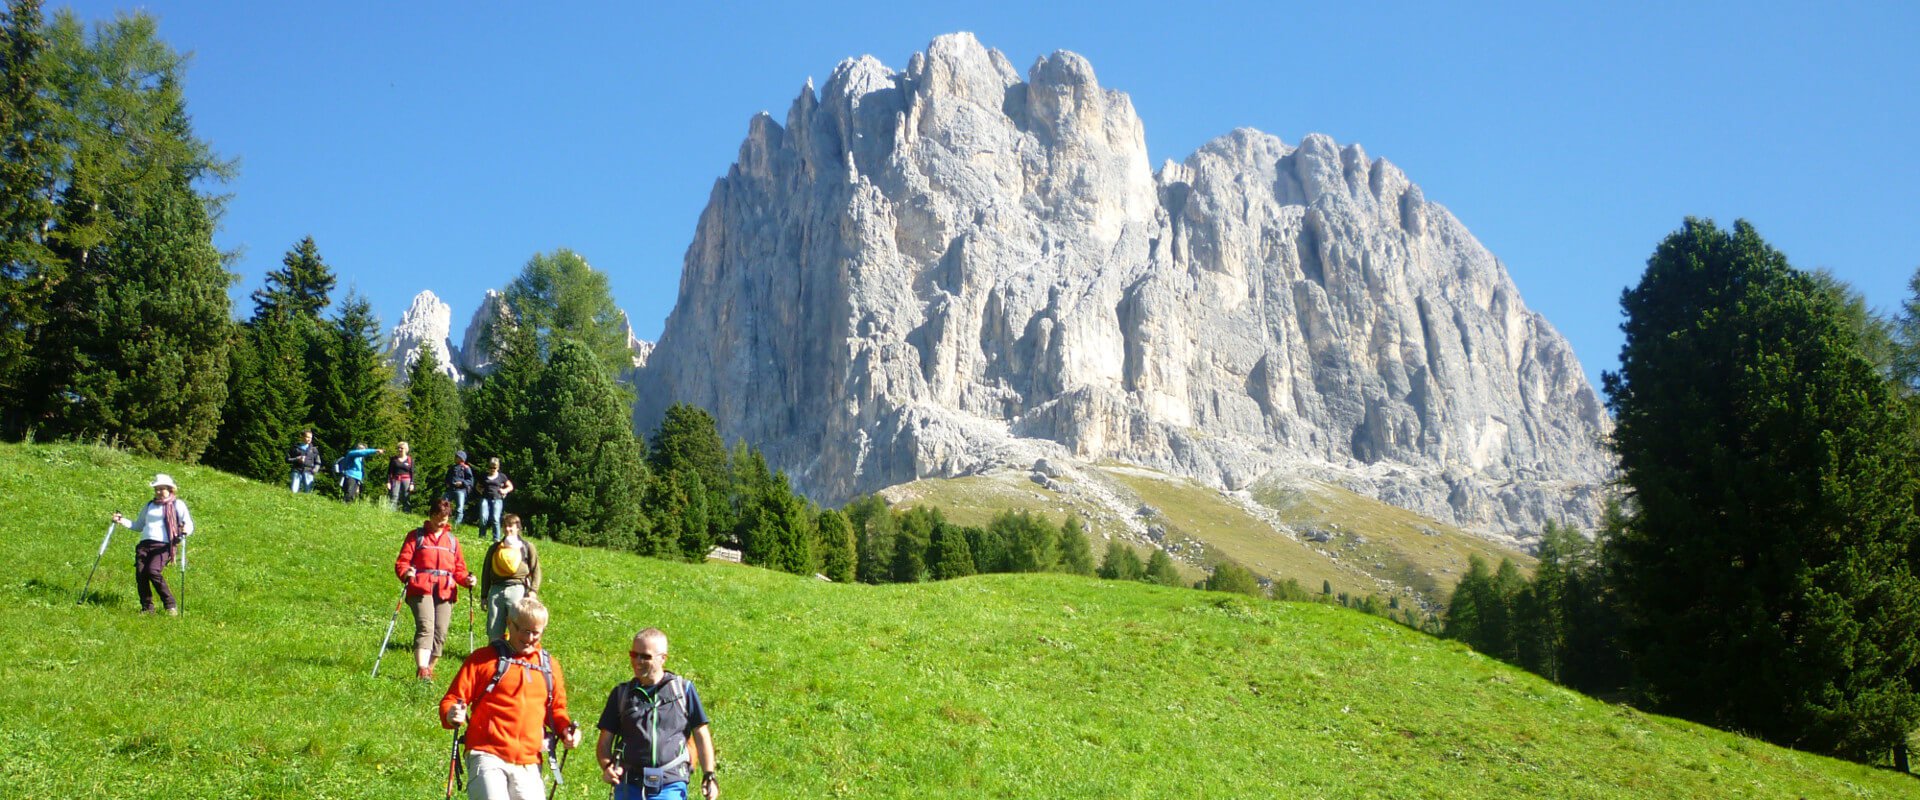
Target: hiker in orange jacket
<point>431,567</point>
<point>515,692</point>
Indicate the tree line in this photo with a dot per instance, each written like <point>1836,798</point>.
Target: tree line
<point>1758,574</point>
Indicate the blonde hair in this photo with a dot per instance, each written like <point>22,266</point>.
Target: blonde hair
<point>527,611</point>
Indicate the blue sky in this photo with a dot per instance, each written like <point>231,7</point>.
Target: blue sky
<point>438,145</point>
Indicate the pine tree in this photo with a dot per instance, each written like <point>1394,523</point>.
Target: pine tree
<point>132,340</point>
<point>432,416</point>
<point>948,556</point>
<point>558,295</point>
<point>1230,577</point>
<point>300,288</point>
<point>583,481</point>
<point>989,548</point>
<point>355,400</point>
<point>266,405</point>
<point>1076,555</point>
<point>1767,578</point>
<point>30,159</point>
<point>1030,540</point>
<point>1160,569</point>
<point>500,419</point>
<point>838,558</point>
<point>689,439</point>
<point>1121,563</point>
<point>911,540</point>
<point>874,527</point>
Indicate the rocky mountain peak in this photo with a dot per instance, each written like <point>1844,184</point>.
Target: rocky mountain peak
<point>952,268</point>
<point>425,324</point>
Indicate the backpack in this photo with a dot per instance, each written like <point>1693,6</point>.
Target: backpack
<point>506,660</point>
<point>340,465</point>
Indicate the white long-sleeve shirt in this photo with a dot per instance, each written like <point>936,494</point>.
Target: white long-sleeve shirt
<point>152,522</point>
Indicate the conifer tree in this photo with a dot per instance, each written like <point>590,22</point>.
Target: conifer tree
<point>266,405</point>
<point>989,548</point>
<point>583,480</point>
<point>1030,540</point>
<point>1076,555</point>
<point>873,533</point>
<point>499,410</point>
<point>301,288</point>
<point>1767,578</point>
<point>689,439</point>
<point>697,534</point>
<point>30,159</point>
<point>355,400</point>
<point>558,295</point>
<point>433,417</point>
<point>948,556</point>
<point>1160,569</point>
<point>911,540</point>
<point>838,558</point>
<point>1121,563</point>
<point>132,340</point>
<point>1230,577</point>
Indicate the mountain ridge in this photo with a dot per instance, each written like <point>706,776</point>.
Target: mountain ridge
<point>949,269</point>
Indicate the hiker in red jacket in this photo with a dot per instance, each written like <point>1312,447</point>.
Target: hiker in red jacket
<point>431,567</point>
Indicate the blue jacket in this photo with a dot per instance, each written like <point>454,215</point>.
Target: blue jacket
<point>356,463</point>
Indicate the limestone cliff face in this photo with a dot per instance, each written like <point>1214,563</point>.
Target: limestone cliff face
<point>947,269</point>
<point>426,324</point>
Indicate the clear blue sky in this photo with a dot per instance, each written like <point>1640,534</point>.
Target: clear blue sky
<point>439,145</point>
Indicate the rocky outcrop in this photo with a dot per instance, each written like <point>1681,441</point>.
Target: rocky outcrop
<point>476,357</point>
<point>426,324</point>
<point>951,268</point>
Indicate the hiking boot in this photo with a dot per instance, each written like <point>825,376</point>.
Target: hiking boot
<point>173,612</point>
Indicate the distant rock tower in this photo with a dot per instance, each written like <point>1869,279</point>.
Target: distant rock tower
<point>426,323</point>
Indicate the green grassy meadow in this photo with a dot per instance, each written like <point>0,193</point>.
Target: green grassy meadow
<point>994,686</point>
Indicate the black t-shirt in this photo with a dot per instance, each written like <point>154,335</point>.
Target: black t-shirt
<point>494,487</point>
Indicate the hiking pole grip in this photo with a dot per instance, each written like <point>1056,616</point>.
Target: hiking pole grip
<point>104,541</point>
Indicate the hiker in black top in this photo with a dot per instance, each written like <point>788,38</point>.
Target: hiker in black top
<point>654,730</point>
<point>459,482</point>
<point>304,459</point>
<point>400,478</point>
<point>494,488</point>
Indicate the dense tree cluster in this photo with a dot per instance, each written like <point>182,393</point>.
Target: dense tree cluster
<point>1761,575</point>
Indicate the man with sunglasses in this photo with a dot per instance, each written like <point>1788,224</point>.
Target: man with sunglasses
<point>653,730</point>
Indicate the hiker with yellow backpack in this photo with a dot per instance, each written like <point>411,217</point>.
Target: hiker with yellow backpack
<point>510,572</point>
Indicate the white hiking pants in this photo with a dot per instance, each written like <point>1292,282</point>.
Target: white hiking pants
<point>489,778</point>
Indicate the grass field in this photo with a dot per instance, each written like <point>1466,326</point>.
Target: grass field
<point>995,686</point>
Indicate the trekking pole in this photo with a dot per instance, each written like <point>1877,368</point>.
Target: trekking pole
<point>183,576</point>
<point>389,637</point>
<point>454,779</point>
<point>82,599</point>
<point>556,761</point>
<point>469,619</point>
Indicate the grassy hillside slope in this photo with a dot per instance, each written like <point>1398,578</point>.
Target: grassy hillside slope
<point>998,686</point>
<point>1310,531</point>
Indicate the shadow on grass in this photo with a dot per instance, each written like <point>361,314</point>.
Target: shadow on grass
<point>74,593</point>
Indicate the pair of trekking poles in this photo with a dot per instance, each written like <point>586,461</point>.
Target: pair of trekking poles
<point>556,764</point>
<point>107,540</point>
<point>402,603</point>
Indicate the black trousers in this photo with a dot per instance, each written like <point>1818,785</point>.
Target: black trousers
<point>350,488</point>
<point>149,558</point>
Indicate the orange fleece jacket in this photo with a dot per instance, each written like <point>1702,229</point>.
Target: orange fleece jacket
<point>506,722</point>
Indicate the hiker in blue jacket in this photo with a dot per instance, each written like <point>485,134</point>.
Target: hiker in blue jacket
<point>353,468</point>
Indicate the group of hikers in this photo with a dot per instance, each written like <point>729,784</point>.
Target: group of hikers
<point>304,459</point>
<point>509,696</point>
